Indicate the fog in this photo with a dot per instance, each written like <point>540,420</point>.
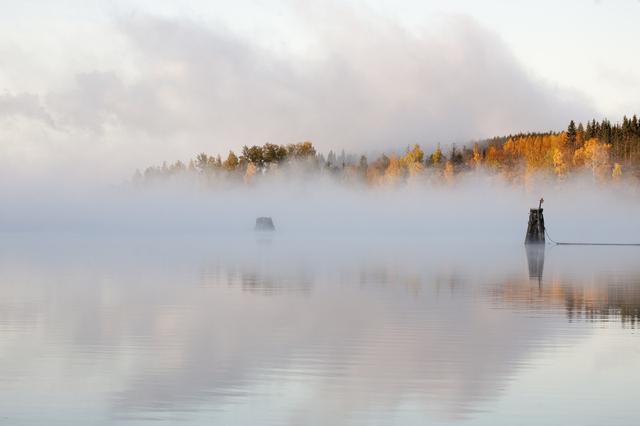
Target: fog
<point>477,207</point>
<point>170,87</point>
<point>129,301</point>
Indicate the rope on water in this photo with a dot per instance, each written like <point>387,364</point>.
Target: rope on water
<point>549,237</point>
<point>589,244</point>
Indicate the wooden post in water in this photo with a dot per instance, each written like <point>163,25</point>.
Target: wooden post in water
<point>535,230</point>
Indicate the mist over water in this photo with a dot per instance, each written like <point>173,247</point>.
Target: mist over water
<point>475,208</point>
<point>396,288</point>
<point>414,304</point>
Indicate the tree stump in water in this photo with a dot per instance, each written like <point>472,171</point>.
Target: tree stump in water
<point>264,224</point>
<point>535,230</point>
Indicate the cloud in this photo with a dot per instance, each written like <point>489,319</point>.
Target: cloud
<point>364,83</point>
<point>24,105</point>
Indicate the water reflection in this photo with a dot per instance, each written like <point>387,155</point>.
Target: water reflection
<point>608,294</point>
<point>286,333</point>
<point>535,261</point>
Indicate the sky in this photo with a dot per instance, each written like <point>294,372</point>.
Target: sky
<point>100,88</point>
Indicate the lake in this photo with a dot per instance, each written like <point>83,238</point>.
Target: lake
<point>289,330</point>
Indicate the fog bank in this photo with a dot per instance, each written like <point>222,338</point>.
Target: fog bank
<point>475,208</point>
<point>361,82</point>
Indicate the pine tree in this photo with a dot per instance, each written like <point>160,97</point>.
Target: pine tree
<point>571,134</point>
<point>331,159</point>
<point>363,163</point>
<point>580,135</point>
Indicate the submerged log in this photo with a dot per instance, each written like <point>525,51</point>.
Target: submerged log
<point>264,224</point>
<point>535,230</point>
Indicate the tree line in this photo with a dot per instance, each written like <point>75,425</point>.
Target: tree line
<point>600,148</point>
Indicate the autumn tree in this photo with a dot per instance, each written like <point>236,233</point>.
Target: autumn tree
<point>300,151</point>
<point>272,153</point>
<point>594,147</point>
<point>449,171</point>
<point>413,160</point>
<point>594,155</point>
<point>395,170</point>
<point>436,159</point>
<point>617,172</point>
<point>414,155</point>
<point>250,173</point>
<point>493,157</point>
<point>559,163</point>
<point>231,163</point>
<point>476,157</point>
<point>253,155</point>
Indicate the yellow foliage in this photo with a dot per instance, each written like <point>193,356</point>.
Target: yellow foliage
<point>494,157</point>
<point>536,153</point>
<point>415,169</point>
<point>416,155</point>
<point>559,163</point>
<point>436,157</point>
<point>395,171</point>
<point>412,161</point>
<point>374,177</point>
<point>231,162</point>
<point>250,173</point>
<point>449,171</point>
<point>476,160</point>
<point>594,155</point>
<point>617,171</point>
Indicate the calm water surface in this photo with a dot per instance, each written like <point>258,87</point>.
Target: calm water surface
<point>284,330</point>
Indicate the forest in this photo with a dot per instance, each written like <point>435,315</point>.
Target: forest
<point>605,151</point>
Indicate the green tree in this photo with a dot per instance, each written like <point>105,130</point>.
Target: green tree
<point>253,155</point>
<point>456,156</point>
<point>301,151</point>
<point>580,135</point>
<point>363,164</point>
<point>272,153</point>
<point>571,134</point>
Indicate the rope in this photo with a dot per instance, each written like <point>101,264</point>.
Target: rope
<point>549,237</point>
<point>589,244</point>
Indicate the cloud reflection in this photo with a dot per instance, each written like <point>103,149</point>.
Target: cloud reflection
<point>195,330</point>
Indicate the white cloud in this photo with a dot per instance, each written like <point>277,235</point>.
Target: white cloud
<point>24,105</point>
<point>368,84</point>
